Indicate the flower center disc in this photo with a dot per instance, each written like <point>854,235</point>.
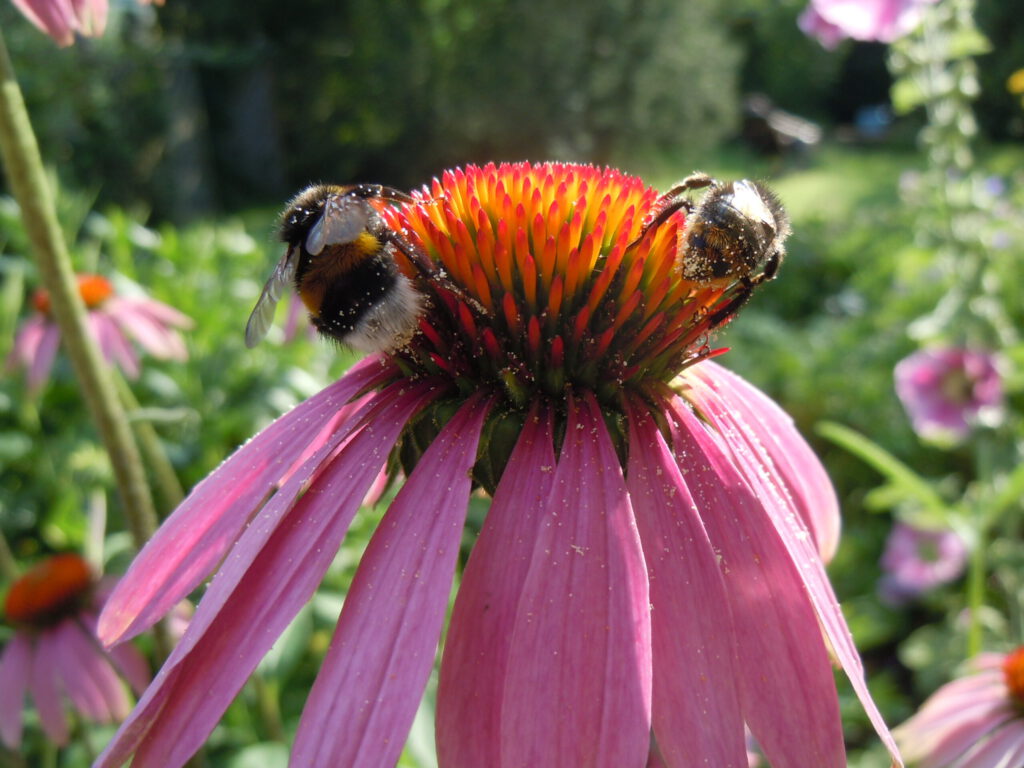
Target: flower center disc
<point>562,298</point>
<point>546,289</point>
<point>93,289</point>
<point>1013,671</point>
<point>48,591</point>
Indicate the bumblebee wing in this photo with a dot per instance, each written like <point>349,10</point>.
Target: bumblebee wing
<point>263,313</point>
<point>344,218</point>
<point>748,198</point>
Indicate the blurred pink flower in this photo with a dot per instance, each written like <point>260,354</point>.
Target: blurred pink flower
<point>916,561</point>
<point>113,319</point>
<point>947,391</point>
<point>975,721</point>
<point>297,319</point>
<point>54,652</point>
<point>831,21</point>
<point>63,19</point>
<point>650,562</point>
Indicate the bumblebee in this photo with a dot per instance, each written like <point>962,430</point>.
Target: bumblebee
<point>736,233</point>
<point>340,259</point>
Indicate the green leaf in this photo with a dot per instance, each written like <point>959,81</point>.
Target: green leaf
<point>268,754</point>
<point>968,42</point>
<point>14,445</point>
<point>1011,493</point>
<point>907,95</point>
<point>906,484</point>
<point>287,652</point>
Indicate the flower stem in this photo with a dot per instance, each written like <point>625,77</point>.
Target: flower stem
<point>976,591</point>
<point>149,442</point>
<point>8,565</point>
<point>269,707</point>
<point>28,182</point>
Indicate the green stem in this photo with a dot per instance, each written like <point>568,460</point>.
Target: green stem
<point>8,565</point>
<point>976,593</point>
<point>96,529</point>
<point>11,759</point>
<point>28,182</point>
<point>163,471</point>
<point>269,707</point>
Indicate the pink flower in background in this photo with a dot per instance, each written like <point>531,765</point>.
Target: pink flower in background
<point>975,721</point>
<point>114,321</point>
<point>916,561</point>
<point>54,654</point>
<point>831,21</point>
<point>63,19</point>
<point>651,562</point>
<point>947,391</point>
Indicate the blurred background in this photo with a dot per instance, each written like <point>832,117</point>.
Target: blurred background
<point>175,139</point>
<point>189,110</point>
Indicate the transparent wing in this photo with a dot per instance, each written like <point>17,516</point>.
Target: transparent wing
<point>345,217</point>
<point>263,313</point>
<point>748,200</point>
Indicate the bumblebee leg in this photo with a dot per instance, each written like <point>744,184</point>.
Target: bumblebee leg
<point>735,303</point>
<point>771,269</point>
<point>369,191</point>
<point>415,255</point>
<point>670,206</point>
<point>695,180</point>
<point>430,271</point>
<point>673,201</point>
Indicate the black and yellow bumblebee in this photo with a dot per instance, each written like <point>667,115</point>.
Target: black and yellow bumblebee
<point>340,258</point>
<point>736,233</point>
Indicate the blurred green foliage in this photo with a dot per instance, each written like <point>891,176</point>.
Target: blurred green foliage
<point>237,108</point>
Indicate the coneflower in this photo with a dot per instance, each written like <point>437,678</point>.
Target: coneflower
<point>650,570</point>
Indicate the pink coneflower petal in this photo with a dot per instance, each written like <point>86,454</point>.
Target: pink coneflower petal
<point>92,16</point>
<point>46,353</point>
<point>78,681</point>
<point>52,17</point>
<point>132,664</point>
<point>151,330</point>
<point>128,660</point>
<point>43,686</point>
<point>89,681</point>
<point>475,658</point>
<point>365,697</point>
<point>84,653</point>
<point>272,571</point>
<point>962,692</point>
<point>164,314</point>
<point>35,347</point>
<point>775,623</point>
<point>377,489</point>
<point>197,535</point>
<point>26,341</point>
<point>1004,749</point>
<point>785,455</point>
<point>801,551</point>
<point>958,734</point>
<point>696,707</point>
<point>15,666</point>
<point>113,344</point>
<point>945,727</point>
<point>578,687</point>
